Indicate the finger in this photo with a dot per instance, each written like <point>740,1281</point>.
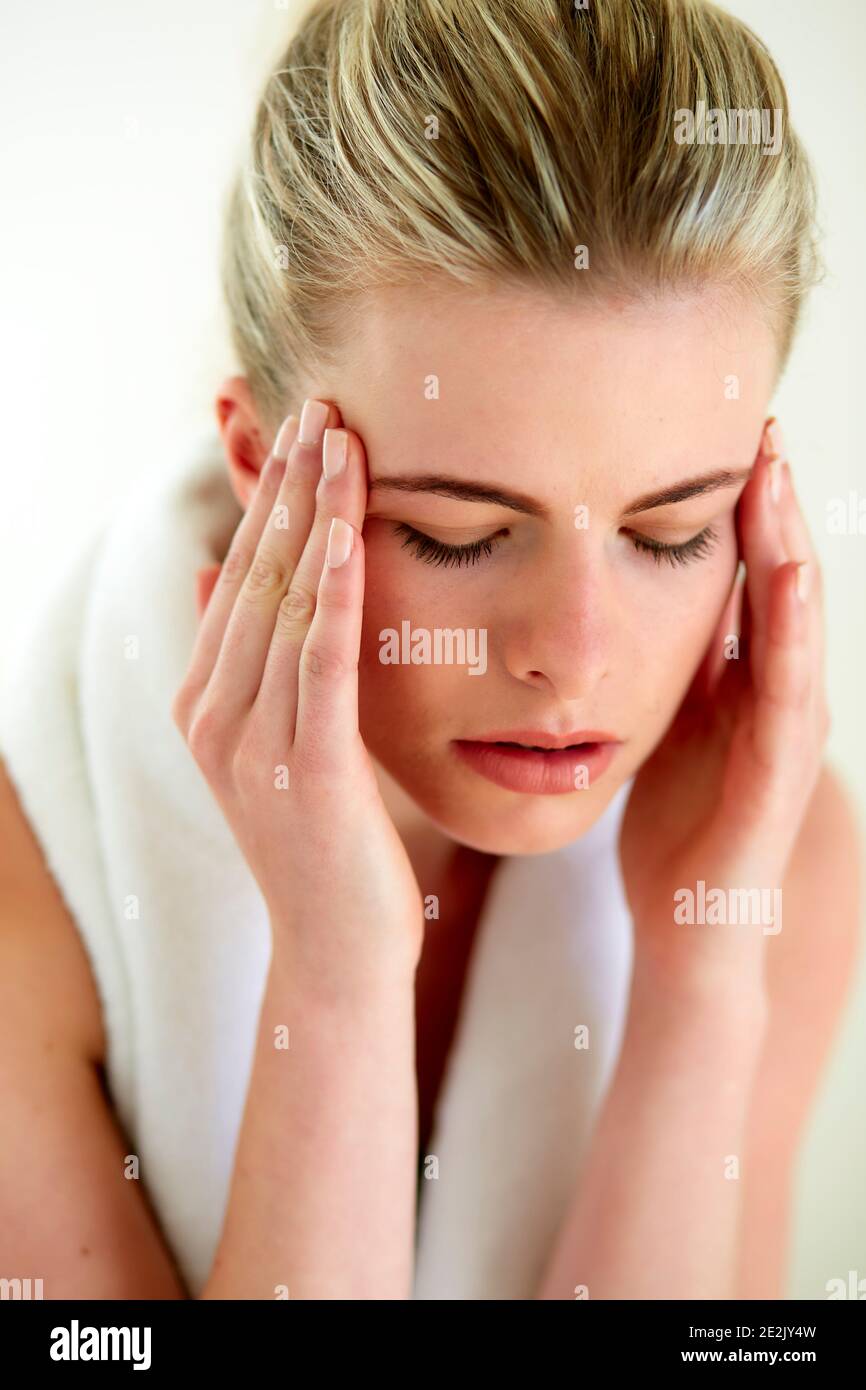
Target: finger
<point>745,629</point>
<point>240,665</point>
<point>327,719</point>
<point>205,580</point>
<point>798,544</point>
<point>237,561</point>
<point>342,494</point>
<point>735,671</point>
<point>782,729</point>
<point>801,547</point>
<point>762,547</point>
<point>342,491</point>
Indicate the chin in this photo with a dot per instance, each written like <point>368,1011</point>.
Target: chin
<point>490,820</point>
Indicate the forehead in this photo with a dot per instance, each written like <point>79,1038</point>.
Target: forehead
<point>506,380</point>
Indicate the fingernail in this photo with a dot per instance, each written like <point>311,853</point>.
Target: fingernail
<point>334,453</point>
<point>285,435</point>
<point>803,580</point>
<point>775,479</point>
<point>313,417</point>
<point>340,538</point>
<point>776,439</point>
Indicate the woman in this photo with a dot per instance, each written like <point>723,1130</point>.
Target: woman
<point>501,442</point>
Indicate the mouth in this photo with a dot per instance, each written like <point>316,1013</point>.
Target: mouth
<point>538,763</point>
<point>537,747</point>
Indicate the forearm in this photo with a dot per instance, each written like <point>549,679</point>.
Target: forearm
<point>656,1209</point>
<point>323,1192</point>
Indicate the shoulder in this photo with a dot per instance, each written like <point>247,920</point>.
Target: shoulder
<point>47,990</point>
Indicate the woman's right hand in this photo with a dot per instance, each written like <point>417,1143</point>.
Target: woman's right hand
<point>269,710</point>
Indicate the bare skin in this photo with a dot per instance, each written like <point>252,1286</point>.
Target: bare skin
<point>95,1236</point>
<point>723,1008</point>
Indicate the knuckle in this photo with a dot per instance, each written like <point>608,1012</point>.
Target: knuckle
<point>296,610</point>
<point>207,735</point>
<point>182,707</point>
<point>266,575</point>
<point>235,565</point>
<point>320,663</point>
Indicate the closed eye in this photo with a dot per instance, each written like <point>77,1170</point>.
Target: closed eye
<point>434,552</point>
<point>693,549</point>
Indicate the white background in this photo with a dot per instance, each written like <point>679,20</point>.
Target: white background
<point>119,126</point>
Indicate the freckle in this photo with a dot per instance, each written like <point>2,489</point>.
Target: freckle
<point>84,1250</point>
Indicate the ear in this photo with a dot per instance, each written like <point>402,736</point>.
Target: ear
<point>246,449</point>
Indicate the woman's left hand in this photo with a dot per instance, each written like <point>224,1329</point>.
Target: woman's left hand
<point>722,797</point>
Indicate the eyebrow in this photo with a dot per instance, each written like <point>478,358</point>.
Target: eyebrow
<point>462,490</point>
<point>691,487</point>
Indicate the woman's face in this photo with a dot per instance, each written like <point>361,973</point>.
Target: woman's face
<point>573,621</point>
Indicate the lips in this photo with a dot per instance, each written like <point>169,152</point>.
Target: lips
<point>540,738</point>
<point>536,747</point>
<point>537,762</point>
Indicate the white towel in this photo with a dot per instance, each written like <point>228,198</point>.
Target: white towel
<point>179,941</point>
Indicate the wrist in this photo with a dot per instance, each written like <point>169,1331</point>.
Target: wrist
<point>730,993</point>
<point>364,986</point>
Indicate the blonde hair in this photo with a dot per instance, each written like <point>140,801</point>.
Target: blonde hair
<point>486,140</point>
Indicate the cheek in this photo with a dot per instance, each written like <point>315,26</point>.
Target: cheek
<point>399,587</point>
<point>397,702</point>
<point>404,709</point>
<point>678,613</point>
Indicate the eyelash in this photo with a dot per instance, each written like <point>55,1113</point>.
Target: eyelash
<point>434,552</point>
<point>695,549</point>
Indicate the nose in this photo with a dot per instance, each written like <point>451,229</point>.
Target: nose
<point>559,636</point>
